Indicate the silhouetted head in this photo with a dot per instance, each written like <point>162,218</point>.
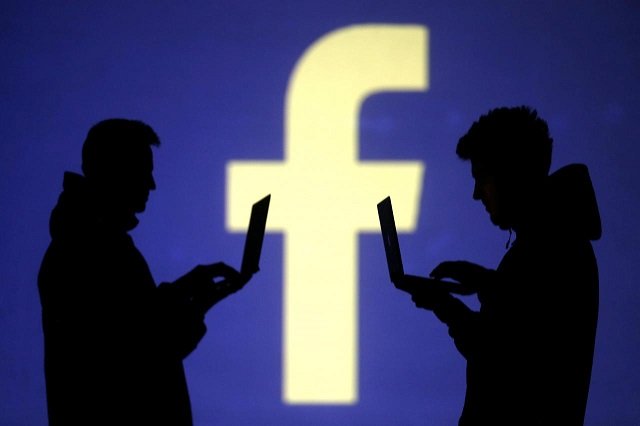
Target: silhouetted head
<point>118,163</point>
<point>510,154</point>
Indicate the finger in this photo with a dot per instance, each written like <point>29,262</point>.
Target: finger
<point>219,269</point>
<point>421,302</point>
<point>244,278</point>
<point>445,270</point>
<point>227,271</point>
<point>230,286</point>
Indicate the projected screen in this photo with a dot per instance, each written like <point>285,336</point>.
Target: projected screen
<point>328,107</point>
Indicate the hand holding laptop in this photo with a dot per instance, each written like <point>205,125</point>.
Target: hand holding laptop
<point>412,283</point>
<point>470,274</point>
<point>200,284</point>
<point>206,285</point>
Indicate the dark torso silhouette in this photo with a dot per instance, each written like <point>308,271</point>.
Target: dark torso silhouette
<point>529,350</point>
<point>114,342</point>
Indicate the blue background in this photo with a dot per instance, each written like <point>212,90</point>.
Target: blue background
<point>211,77</point>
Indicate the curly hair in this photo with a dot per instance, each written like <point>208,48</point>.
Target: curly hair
<point>509,142</point>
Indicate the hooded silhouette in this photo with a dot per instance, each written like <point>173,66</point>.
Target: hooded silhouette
<point>114,341</point>
<point>529,350</point>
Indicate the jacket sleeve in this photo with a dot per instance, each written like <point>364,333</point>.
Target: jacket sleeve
<point>180,323</point>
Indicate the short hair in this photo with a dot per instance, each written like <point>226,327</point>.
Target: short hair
<point>113,142</point>
<point>509,142</point>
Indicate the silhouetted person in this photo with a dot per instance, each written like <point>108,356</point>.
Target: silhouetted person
<point>529,350</point>
<point>114,342</point>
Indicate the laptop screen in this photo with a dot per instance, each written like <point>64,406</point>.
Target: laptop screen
<point>390,239</point>
<point>255,236</point>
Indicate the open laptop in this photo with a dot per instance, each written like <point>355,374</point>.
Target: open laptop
<point>394,258</point>
<point>255,236</point>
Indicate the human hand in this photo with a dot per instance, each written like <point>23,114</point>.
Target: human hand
<point>466,273</point>
<point>204,288</point>
<point>427,297</point>
<point>205,275</point>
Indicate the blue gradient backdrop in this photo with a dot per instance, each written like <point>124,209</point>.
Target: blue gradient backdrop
<point>210,77</point>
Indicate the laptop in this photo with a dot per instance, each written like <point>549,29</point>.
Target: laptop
<point>255,236</point>
<point>394,257</point>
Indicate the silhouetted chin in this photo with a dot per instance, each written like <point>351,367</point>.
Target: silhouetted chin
<point>141,205</point>
<point>140,209</point>
<point>497,221</point>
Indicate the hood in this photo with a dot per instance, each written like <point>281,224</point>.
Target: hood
<point>572,202</point>
<point>79,211</point>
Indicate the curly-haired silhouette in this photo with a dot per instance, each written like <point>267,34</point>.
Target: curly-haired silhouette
<point>114,341</point>
<point>529,350</point>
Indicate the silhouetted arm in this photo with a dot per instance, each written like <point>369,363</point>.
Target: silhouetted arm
<point>181,305</point>
<point>206,285</point>
<point>463,323</point>
<point>179,323</point>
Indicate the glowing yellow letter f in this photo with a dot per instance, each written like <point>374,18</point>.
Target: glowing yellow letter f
<point>322,196</point>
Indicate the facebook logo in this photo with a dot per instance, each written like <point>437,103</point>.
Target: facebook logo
<point>323,196</point>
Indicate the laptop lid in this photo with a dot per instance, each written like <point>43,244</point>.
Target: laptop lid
<point>255,236</point>
<point>394,258</point>
<point>390,239</point>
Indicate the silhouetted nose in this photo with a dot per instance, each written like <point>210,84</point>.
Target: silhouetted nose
<point>476,192</point>
<point>152,184</point>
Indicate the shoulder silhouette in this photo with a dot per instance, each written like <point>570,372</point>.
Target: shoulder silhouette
<point>529,350</point>
<point>114,341</point>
